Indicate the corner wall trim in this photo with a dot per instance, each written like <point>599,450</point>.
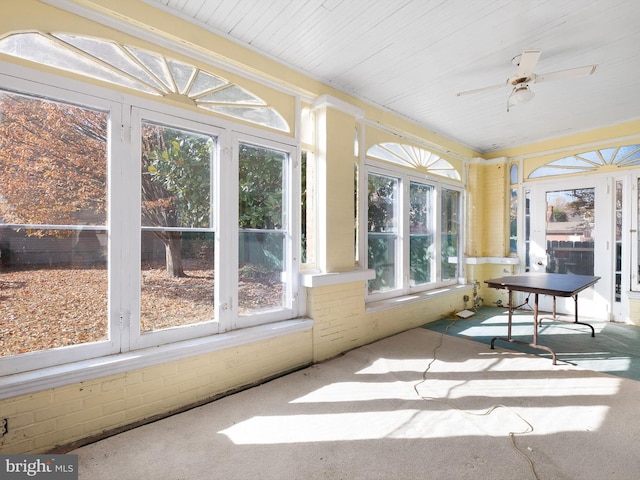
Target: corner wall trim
<point>333,102</point>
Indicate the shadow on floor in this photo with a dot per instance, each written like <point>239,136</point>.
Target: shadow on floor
<point>615,349</point>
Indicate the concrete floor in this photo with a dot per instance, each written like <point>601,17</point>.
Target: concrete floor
<point>418,405</point>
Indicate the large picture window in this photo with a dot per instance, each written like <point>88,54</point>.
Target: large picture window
<point>53,224</point>
<point>111,230</point>
<point>177,270</point>
<point>422,228</point>
<point>414,233</point>
<point>450,233</point>
<point>384,235</point>
<point>262,261</point>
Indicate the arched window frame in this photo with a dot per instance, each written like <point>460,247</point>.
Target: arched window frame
<point>590,161</point>
<point>28,81</point>
<point>419,159</point>
<point>143,71</point>
<point>413,170</point>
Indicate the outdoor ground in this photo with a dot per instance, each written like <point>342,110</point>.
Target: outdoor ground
<point>46,308</point>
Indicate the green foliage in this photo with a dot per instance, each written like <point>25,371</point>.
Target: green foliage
<point>419,259</point>
<point>261,183</point>
<point>583,204</point>
<point>262,180</point>
<point>180,163</point>
<point>449,250</point>
<point>559,215</point>
<point>381,259</point>
<point>381,203</point>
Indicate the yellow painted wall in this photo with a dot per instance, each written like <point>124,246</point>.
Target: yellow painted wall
<point>44,420</point>
<point>562,146</point>
<point>475,210</point>
<point>338,313</point>
<point>494,231</point>
<point>479,273</point>
<point>335,170</point>
<point>342,321</point>
<point>487,209</point>
<point>634,311</point>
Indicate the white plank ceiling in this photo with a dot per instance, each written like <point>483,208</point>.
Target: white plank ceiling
<point>413,56</point>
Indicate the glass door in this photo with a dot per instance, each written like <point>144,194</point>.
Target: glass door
<point>572,232</point>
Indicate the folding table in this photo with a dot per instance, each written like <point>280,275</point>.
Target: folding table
<point>554,284</point>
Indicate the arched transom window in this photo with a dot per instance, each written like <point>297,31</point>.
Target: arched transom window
<point>410,156</point>
<point>143,71</point>
<point>588,162</point>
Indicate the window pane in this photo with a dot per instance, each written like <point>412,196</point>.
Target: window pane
<point>304,210</point>
<point>527,228</point>
<point>53,233</point>
<point>513,222</point>
<point>570,231</point>
<point>619,215</point>
<point>382,222</point>
<point>638,243</point>
<point>177,278</point>
<point>421,233</point>
<point>450,239</point>
<point>262,224</point>
<point>513,174</point>
<point>356,212</point>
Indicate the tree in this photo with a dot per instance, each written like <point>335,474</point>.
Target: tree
<point>53,164</point>
<point>176,186</point>
<point>582,203</point>
<point>381,220</point>
<point>53,171</point>
<point>261,188</point>
<point>261,183</point>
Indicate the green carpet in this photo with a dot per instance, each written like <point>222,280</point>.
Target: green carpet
<point>615,349</point>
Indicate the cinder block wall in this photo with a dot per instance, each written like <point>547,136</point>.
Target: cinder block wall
<point>487,209</point>
<point>388,322</point>
<point>493,230</point>
<point>339,319</point>
<point>42,421</point>
<point>475,210</point>
<point>342,321</point>
<point>484,272</point>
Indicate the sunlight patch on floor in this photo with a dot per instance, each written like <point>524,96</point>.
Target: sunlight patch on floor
<point>359,392</point>
<point>429,423</point>
<point>448,401</point>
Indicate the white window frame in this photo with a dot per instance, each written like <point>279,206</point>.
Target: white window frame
<point>290,227</point>
<point>35,360</point>
<point>133,255</point>
<point>123,224</point>
<point>406,176</point>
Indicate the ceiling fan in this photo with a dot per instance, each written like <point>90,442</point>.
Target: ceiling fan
<point>524,76</point>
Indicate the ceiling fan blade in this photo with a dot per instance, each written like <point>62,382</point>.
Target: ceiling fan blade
<point>480,90</point>
<point>527,64</point>
<point>563,74</point>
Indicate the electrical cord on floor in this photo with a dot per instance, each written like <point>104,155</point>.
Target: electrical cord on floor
<point>512,435</point>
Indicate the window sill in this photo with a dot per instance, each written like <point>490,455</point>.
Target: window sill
<point>492,260</point>
<point>51,377</point>
<point>312,280</point>
<point>386,304</point>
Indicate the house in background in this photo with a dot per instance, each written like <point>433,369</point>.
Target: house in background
<point>253,218</point>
